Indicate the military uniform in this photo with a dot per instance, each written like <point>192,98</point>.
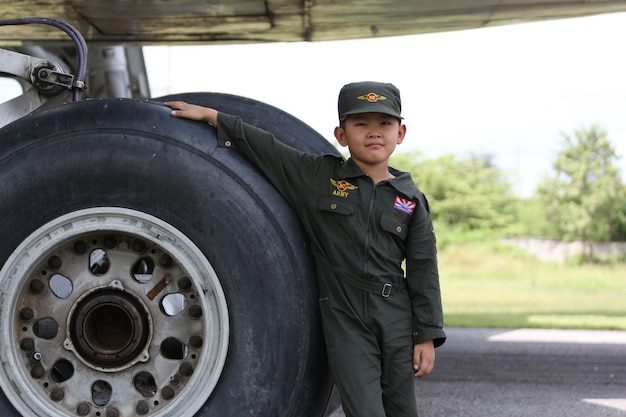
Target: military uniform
<point>360,234</point>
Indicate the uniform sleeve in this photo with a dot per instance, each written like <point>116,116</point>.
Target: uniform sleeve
<point>286,167</point>
<point>423,277</point>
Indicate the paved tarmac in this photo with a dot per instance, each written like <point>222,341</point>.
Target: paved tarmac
<point>525,373</point>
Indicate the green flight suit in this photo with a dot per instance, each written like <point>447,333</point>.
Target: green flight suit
<point>360,234</point>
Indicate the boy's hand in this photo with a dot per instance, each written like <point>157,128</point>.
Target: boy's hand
<point>423,358</point>
<point>193,112</point>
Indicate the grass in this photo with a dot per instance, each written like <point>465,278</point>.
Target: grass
<point>484,285</point>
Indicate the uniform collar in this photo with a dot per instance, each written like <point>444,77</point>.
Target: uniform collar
<point>350,170</point>
<point>403,182</point>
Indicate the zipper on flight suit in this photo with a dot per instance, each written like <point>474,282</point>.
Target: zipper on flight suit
<point>367,230</point>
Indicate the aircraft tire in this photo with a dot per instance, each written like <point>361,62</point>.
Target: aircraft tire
<point>148,272</point>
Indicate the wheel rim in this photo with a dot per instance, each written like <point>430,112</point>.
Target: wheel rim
<point>110,312</point>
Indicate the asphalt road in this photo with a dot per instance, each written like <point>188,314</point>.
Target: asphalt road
<point>525,373</point>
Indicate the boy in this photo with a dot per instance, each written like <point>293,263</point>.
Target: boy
<point>364,219</point>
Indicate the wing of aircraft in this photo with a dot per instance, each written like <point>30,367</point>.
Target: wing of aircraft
<point>192,21</point>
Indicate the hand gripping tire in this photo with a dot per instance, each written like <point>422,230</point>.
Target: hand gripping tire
<point>148,272</point>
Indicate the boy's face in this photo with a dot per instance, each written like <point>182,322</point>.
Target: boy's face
<point>371,137</point>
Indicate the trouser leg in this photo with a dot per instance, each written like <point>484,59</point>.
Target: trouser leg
<point>394,318</point>
<point>356,371</point>
<point>353,350</point>
<point>397,381</point>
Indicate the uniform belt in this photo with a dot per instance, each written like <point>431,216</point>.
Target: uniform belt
<point>385,290</point>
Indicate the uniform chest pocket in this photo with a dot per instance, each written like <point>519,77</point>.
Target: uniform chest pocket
<point>395,226</point>
<point>332,205</point>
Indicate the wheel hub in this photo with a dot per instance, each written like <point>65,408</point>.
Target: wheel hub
<point>110,329</point>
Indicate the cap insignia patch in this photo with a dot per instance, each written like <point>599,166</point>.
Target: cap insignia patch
<point>372,97</point>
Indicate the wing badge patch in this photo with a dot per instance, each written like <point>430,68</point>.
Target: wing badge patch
<point>342,187</point>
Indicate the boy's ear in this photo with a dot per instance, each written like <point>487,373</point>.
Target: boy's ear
<point>401,134</point>
<point>340,135</point>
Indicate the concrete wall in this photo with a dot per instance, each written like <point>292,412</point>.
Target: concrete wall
<point>559,251</point>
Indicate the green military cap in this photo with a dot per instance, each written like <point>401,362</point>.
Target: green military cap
<point>369,97</point>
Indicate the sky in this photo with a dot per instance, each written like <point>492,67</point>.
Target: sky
<point>509,91</point>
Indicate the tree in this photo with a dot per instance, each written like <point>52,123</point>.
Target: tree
<point>585,197</point>
<point>466,192</point>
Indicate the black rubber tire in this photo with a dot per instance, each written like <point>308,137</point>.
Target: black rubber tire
<point>133,154</point>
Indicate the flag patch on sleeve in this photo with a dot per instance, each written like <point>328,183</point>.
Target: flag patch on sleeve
<point>404,205</point>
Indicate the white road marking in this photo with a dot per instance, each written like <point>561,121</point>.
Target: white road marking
<point>616,403</point>
<point>599,337</point>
